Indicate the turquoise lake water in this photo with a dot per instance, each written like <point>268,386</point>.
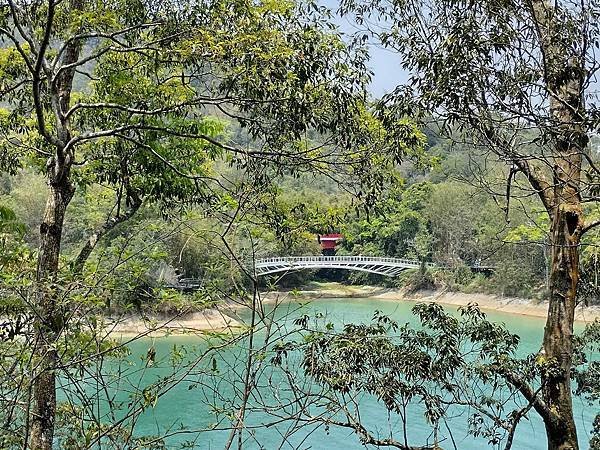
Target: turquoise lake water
<point>189,412</point>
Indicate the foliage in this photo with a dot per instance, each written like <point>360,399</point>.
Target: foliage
<point>462,360</point>
<point>127,110</point>
<point>193,138</point>
<point>401,365</point>
<point>595,441</point>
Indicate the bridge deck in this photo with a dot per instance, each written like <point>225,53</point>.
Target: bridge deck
<point>379,265</point>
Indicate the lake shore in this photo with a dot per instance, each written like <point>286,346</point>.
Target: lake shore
<point>199,322</point>
<point>221,320</point>
<point>510,305</point>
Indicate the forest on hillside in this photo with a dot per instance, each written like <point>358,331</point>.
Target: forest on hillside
<point>450,212</point>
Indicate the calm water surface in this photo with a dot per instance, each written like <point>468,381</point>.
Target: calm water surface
<point>187,402</point>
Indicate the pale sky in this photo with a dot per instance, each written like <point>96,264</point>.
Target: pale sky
<point>387,73</point>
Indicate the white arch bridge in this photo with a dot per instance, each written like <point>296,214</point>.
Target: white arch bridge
<point>389,267</point>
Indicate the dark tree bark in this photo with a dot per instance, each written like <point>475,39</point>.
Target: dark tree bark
<point>49,320</point>
<point>567,223</point>
<point>564,77</point>
<point>48,324</point>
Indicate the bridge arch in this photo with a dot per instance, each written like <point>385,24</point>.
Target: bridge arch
<point>389,267</point>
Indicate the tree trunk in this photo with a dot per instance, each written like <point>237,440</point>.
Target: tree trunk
<point>48,324</point>
<point>49,319</point>
<point>564,74</point>
<point>558,333</point>
<point>566,104</point>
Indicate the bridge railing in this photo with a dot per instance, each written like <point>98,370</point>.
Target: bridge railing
<point>338,259</point>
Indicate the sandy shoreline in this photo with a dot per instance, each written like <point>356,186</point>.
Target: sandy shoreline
<point>209,320</point>
<point>510,305</point>
<point>213,320</point>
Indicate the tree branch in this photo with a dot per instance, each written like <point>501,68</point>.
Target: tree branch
<point>589,225</point>
<point>536,179</point>
<point>368,439</point>
<point>530,395</point>
<point>110,36</point>
<point>140,111</point>
<point>111,223</point>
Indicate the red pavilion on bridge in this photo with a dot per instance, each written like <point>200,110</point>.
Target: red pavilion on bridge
<point>329,242</point>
